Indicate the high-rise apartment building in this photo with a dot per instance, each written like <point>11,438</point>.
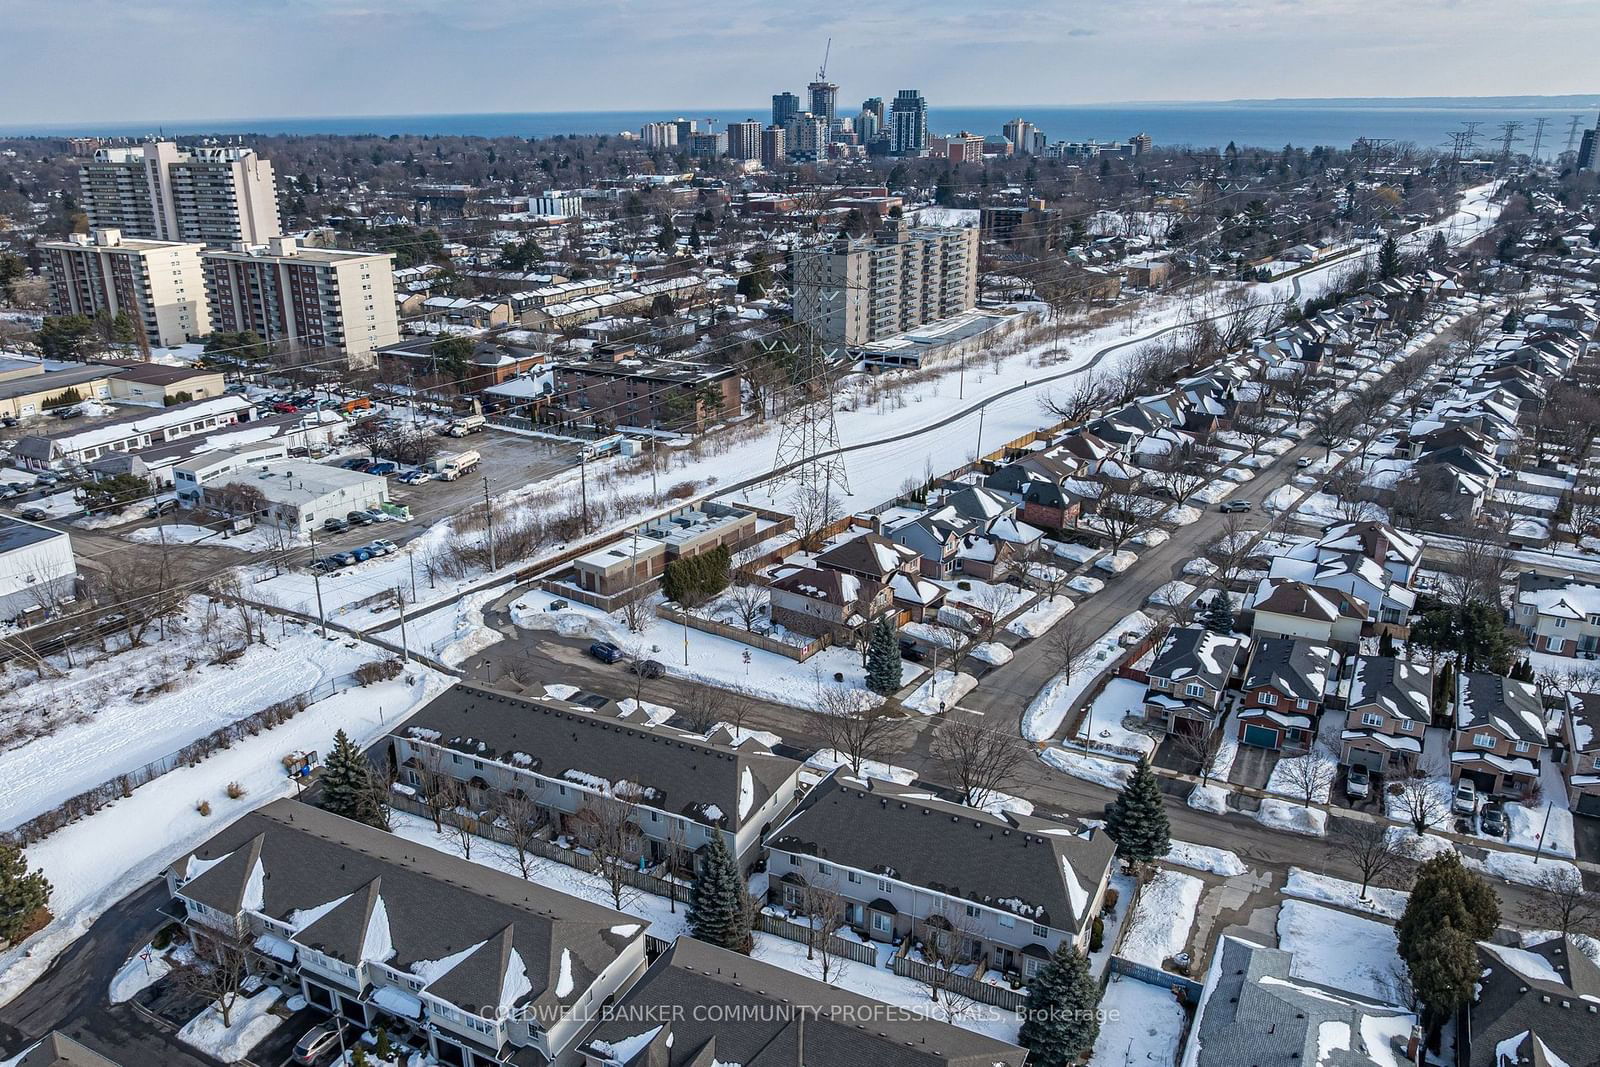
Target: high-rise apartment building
<point>908,130</point>
<point>853,291</point>
<point>708,145</point>
<point>744,139</point>
<point>159,285</point>
<point>785,106</point>
<point>873,105</point>
<point>1020,132</point>
<point>315,298</point>
<point>774,146</point>
<point>1141,143</point>
<point>868,126</point>
<point>161,192</point>
<point>824,99</point>
<point>686,129</point>
<point>659,134</point>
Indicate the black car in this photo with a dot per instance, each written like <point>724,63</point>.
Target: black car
<point>605,652</point>
<point>1492,821</point>
<point>335,526</point>
<point>359,518</point>
<point>910,651</point>
<point>647,668</point>
<point>34,514</point>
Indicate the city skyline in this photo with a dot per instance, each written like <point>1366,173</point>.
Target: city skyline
<point>503,57</point>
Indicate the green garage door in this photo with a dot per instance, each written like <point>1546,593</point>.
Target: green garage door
<point>1260,736</point>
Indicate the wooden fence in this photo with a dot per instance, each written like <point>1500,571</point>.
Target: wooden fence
<point>798,653</point>
<point>983,992</point>
<point>838,946</point>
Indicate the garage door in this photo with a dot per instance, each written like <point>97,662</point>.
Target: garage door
<point>1589,804</point>
<point>1260,736</point>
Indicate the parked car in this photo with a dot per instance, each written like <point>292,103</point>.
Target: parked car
<point>69,413</point>
<point>1493,821</point>
<point>361,554</point>
<point>910,651</point>
<point>285,408</point>
<point>1358,781</point>
<point>34,514</point>
<point>316,1042</point>
<point>647,668</point>
<point>379,515</point>
<point>1231,506</point>
<point>384,469</point>
<point>413,477</point>
<point>46,479</point>
<point>344,559</point>
<point>382,547</point>
<point>336,526</point>
<point>8,420</point>
<point>324,565</point>
<point>1465,801</point>
<point>605,652</point>
<point>1303,462</point>
<point>161,507</point>
<point>359,518</point>
<point>357,464</point>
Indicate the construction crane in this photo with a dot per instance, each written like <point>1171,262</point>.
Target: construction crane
<point>822,71</point>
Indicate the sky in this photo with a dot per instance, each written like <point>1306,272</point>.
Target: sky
<point>122,60</point>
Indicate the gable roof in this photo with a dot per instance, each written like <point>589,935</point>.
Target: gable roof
<point>771,1017</point>
<point>1544,996</point>
<point>829,586</point>
<point>1287,596</point>
<point>1042,870</point>
<point>1194,653</point>
<point>1504,704</point>
<point>871,554</point>
<point>56,1049</point>
<point>1299,669</point>
<point>1399,689</point>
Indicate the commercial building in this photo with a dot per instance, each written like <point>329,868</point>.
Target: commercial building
<point>616,388</point>
<point>159,285</point>
<point>854,291</point>
<point>28,386</point>
<point>485,968</point>
<point>297,495</point>
<point>157,191</point>
<point>129,433</point>
<point>824,99</point>
<point>556,205</point>
<point>744,139</point>
<point>37,568</point>
<point>908,126</point>
<point>316,298</point>
<point>785,106</point>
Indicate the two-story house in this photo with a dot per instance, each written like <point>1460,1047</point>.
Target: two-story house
<point>1387,713</point>
<point>1288,608</point>
<point>871,557</point>
<point>1538,1005</point>
<point>490,968</point>
<point>770,1016</point>
<point>1580,729</point>
<point>1499,733</point>
<point>1559,615</point>
<point>815,601</point>
<point>1282,692</point>
<point>567,758</point>
<point>904,863</point>
<point>1192,669</point>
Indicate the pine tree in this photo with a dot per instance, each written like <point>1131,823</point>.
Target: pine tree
<point>883,659</point>
<point>1137,821</point>
<point>1060,1020</point>
<point>1386,644</point>
<point>347,786</point>
<point>1388,258</point>
<point>23,893</point>
<point>1219,616</point>
<point>1450,909</point>
<point>719,911</point>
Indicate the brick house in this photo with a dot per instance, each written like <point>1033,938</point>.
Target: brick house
<point>1191,670</point>
<point>1581,734</point>
<point>1387,714</point>
<point>814,601</point>
<point>1282,693</point>
<point>1499,733</point>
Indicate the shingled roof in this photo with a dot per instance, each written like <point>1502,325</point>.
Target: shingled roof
<point>1543,997</point>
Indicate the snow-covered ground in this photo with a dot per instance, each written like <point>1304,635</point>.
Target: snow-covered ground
<point>1037,620</point>
<point>1140,1023</point>
<point>1048,711</point>
<point>125,710</point>
<point>1347,952</point>
<point>1293,817</point>
<point>1102,728</point>
<point>940,691</point>
<point>455,632</point>
<point>828,760</point>
<point>97,860</point>
<point>1325,889</point>
<point>1161,920</point>
<point>249,1024</point>
<point>1113,774</point>
<point>183,533</point>
<point>1209,858</point>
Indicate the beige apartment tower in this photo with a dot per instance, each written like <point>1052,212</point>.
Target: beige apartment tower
<point>159,285</point>
<point>320,300</point>
<point>856,291</point>
<point>158,191</point>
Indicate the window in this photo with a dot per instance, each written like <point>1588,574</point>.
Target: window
<point>972,911</point>
<point>822,868</point>
<point>883,885</point>
<point>1522,746</point>
<point>880,922</point>
<point>1597,763</point>
<point>853,877</point>
<point>1040,931</point>
<point>1303,705</point>
<point>1008,921</point>
<point>1194,689</point>
<point>1030,967</point>
<point>1267,697</point>
<point>1371,718</point>
<point>1161,683</point>
<point>1406,726</point>
<point>1483,740</point>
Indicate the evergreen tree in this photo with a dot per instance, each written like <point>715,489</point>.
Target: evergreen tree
<point>1388,258</point>
<point>1059,1020</point>
<point>347,786</point>
<point>883,659</point>
<point>1219,616</point>
<point>719,911</point>
<point>23,893</point>
<point>1137,821</point>
<point>1450,910</point>
<point>1386,644</point>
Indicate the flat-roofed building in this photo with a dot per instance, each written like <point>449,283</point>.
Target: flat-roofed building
<point>215,194</point>
<point>37,567</point>
<point>159,285</point>
<point>295,494</point>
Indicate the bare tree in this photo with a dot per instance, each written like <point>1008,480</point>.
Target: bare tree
<point>979,761</point>
<point>1042,571</point>
<point>1369,849</point>
<point>705,707</point>
<point>604,826</point>
<point>1478,569</point>
<point>748,599</point>
<point>946,942</point>
<point>521,823</point>
<point>634,606</point>
<point>1078,401</point>
<point>821,907</point>
<point>1418,798</point>
<point>847,721</point>
<point>435,786</point>
<point>1231,549</point>
<point>216,970</point>
<point>1256,429</point>
<point>1174,599</point>
<point>1560,902</point>
<point>1201,749</point>
<point>815,508</point>
<point>462,825</point>
<point>1124,513</point>
<point>1310,776</point>
<point>1346,484</point>
<point>1181,472</point>
<point>991,601</point>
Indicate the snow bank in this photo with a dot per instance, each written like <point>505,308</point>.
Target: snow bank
<point>1205,858</point>
<point>1159,928</point>
<point>1212,798</point>
<point>992,653</point>
<point>1108,773</point>
<point>1295,818</point>
<point>251,1023</point>
<point>940,692</point>
<point>1037,620</point>
<point>1048,710</point>
<point>1117,562</point>
<point>1308,885</point>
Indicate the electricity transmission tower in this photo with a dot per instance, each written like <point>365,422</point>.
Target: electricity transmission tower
<point>808,437</point>
<point>1572,132</point>
<point>1538,138</point>
<point>1508,135</point>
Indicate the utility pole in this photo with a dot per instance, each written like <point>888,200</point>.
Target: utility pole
<point>405,646</point>
<point>316,580</point>
<point>488,519</point>
<point>411,558</point>
<point>981,413</point>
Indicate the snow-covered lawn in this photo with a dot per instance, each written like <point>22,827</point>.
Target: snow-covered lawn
<point>1102,728</point>
<point>711,659</point>
<point>940,692</point>
<point>827,760</point>
<point>250,1023</point>
<point>1037,620</point>
<point>1214,492</point>
<point>455,632</point>
<point>1171,595</point>
<point>122,711</point>
<point>1161,920</point>
<point>1140,1023</point>
<point>1048,710</point>
<point>1219,861</point>
<point>1325,889</point>
<point>97,860</point>
<point>1181,515</point>
<point>1212,798</point>
<point>1075,552</point>
<point>1344,951</point>
<point>138,974</point>
<point>1526,824</point>
<point>1086,584</point>
<point>1518,867</point>
<point>183,533</point>
<point>1295,818</point>
<point>1117,562</point>
<point>1293,776</point>
<point>1109,773</point>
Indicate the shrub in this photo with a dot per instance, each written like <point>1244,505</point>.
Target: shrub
<point>204,808</point>
<point>1097,934</point>
<point>378,670</point>
<point>235,790</point>
<point>1111,898</point>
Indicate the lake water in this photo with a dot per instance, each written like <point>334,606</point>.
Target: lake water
<point>1199,125</point>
